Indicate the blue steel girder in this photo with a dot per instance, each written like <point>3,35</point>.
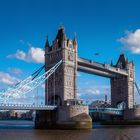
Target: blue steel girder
<point>111,111</point>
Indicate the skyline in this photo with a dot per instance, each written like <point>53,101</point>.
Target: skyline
<point>101,27</point>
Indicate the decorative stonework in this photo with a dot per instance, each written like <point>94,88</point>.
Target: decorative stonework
<point>65,76</point>
<point>122,87</point>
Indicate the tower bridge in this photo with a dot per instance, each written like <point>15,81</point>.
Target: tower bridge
<point>121,75</point>
<point>61,66</point>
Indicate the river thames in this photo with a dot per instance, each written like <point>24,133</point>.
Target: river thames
<point>23,130</point>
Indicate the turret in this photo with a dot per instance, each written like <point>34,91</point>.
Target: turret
<point>122,87</point>
<point>122,62</point>
<point>47,46</point>
<point>60,37</point>
<point>64,49</point>
<point>75,42</point>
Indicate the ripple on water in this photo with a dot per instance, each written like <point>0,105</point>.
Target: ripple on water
<point>24,131</point>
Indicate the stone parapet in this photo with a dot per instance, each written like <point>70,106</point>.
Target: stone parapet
<point>132,114</point>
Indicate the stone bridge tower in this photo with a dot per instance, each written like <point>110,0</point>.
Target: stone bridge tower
<point>64,86</point>
<point>122,87</point>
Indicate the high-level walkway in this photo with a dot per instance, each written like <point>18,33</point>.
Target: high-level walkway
<point>105,70</point>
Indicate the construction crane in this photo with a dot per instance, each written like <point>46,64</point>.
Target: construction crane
<point>137,87</point>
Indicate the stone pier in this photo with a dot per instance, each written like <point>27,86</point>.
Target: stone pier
<point>61,87</point>
<point>65,117</point>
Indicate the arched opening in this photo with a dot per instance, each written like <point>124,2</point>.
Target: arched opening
<point>56,100</point>
<point>121,105</point>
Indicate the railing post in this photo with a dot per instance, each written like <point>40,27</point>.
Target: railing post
<point>54,87</point>
<point>47,91</point>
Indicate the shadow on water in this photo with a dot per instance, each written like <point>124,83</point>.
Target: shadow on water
<point>98,125</point>
<point>16,124</point>
<point>23,130</point>
<point>25,124</point>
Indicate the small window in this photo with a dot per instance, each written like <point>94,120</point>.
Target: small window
<point>70,46</point>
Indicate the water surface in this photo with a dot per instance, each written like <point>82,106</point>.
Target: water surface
<point>23,130</point>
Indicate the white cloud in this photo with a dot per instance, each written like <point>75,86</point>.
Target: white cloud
<point>131,41</point>
<point>91,92</point>
<point>43,86</point>
<point>16,71</point>
<point>36,54</point>
<point>96,90</point>
<point>33,55</point>
<point>8,79</point>
<point>18,55</point>
<point>78,74</point>
<point>22,42</point>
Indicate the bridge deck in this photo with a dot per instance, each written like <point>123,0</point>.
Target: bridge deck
<point>25,107</point>
<point>89,66</point>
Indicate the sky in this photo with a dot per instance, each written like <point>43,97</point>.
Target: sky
<point>109,27</point>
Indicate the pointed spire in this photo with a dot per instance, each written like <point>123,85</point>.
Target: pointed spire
<point>47,42</point>
<point>63,32</point>
<point>47,46</point>
<point>122,61</point>
<point>133,62</point>
<point>111,63</point>
<point>74,40</point>
<point>126,60</point>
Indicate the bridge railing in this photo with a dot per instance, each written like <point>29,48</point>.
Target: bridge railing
<point>24,105</point>
<point>114,111</point>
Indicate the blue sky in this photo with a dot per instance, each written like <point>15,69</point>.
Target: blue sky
<point>109,27</point>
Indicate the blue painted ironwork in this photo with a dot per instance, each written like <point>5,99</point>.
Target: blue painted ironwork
<point>137,87</point>
<point>111,111</point>
<point>28,84</point>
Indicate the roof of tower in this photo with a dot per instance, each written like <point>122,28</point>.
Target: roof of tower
<point>123,60</point>
<point>61,36</point>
